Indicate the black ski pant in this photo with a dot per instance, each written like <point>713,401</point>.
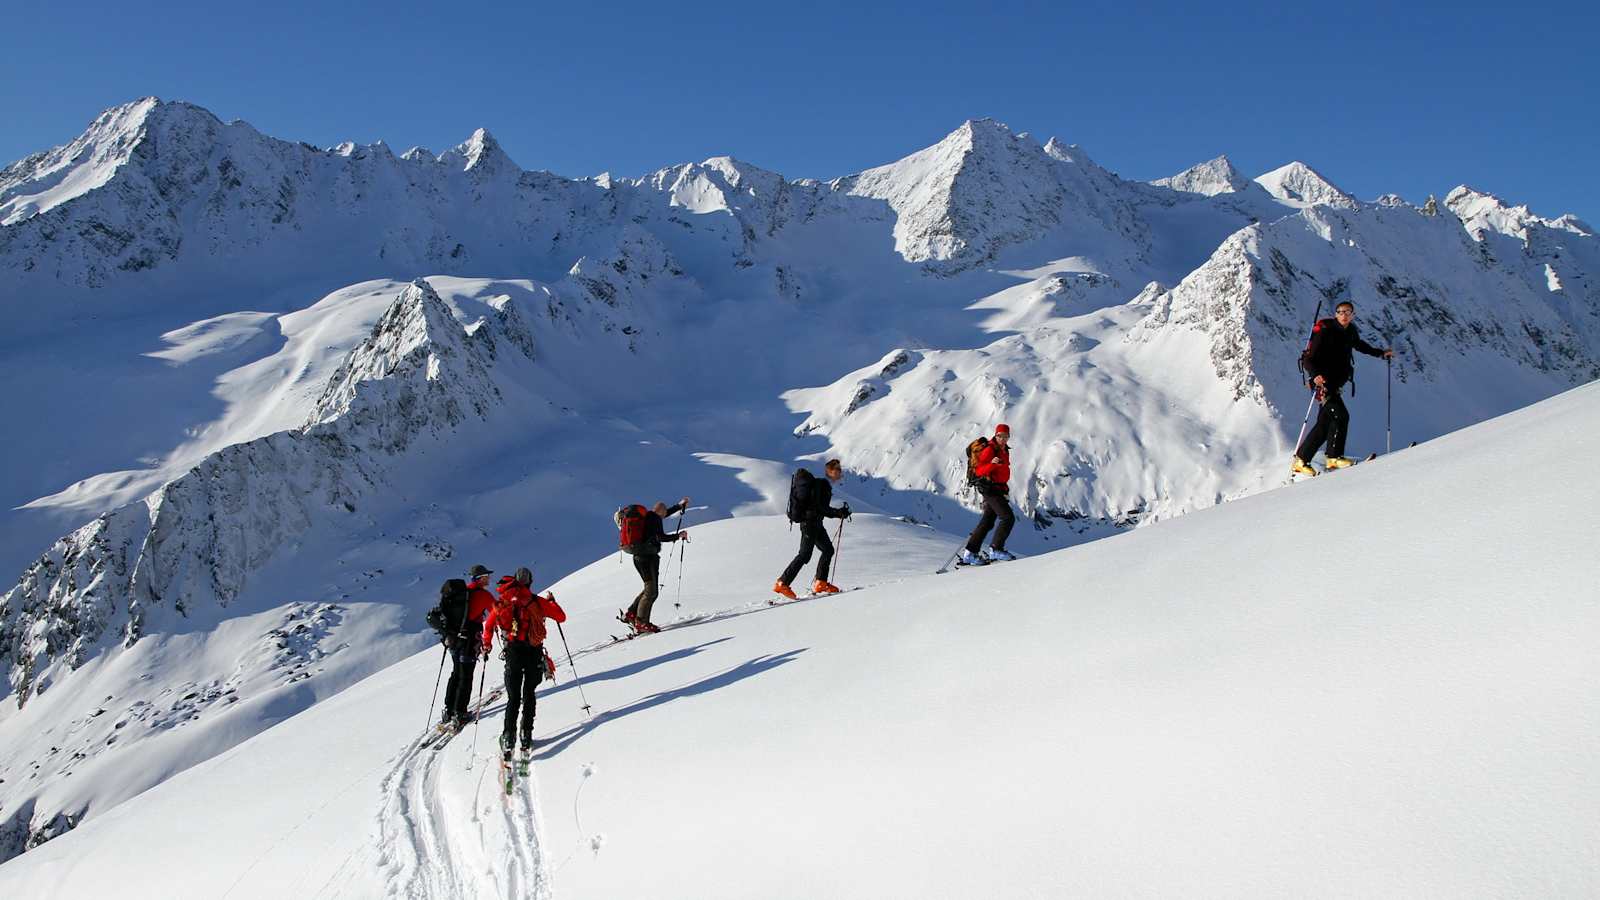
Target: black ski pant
<point>524,671</point>
<point>458,690</point>
<point>813,534</point>
<point>1333,422</point>
<point>649,568</point>
<point>996,508</point>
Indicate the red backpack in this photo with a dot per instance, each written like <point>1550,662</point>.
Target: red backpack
<point>630,521</point>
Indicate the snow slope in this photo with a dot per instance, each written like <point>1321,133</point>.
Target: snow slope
<point>256,423</point>
<point>1200,708</point>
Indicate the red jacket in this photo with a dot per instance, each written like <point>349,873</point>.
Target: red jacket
<point>994,463</point>
<point>479,602</point>
<point>520,616</point>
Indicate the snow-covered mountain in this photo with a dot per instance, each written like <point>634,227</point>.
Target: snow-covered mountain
<point>1190,709</point>
<point>274,436</point>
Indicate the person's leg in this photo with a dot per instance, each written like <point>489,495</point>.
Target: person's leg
<point>453,686</point>
<point>642,567</point>
<point>1318,433</point>
<point>1338,424</point>
<point>652,586</point>
<point>532,672</point>
<point>819,537</point>
<point>513,694</point>
<point>985,522</point>
<point>469,664</point>
<point>1000,505</point>
<point>801,558</point>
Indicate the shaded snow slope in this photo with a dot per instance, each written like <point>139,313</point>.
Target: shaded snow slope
<point>1187,709</point>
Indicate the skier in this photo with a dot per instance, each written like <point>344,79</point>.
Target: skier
<point>519,616</point>
<point>809,504</point>
<point>463,645</point>
<point>989,463</point>
<point>647,561</point>
<point>1329,363</point>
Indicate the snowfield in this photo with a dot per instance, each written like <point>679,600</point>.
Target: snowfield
<point>1378,683</point>
<point>307,384</point>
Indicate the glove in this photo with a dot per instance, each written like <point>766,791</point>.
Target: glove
<point>448,641</point>
<point>846,511</point>
<point>683,535</point>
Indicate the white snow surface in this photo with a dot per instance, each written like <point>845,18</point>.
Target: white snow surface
<point>1378,683</point>
<point>277,393</point>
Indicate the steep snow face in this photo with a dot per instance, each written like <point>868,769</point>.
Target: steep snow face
<point>1455,314</point>
<point>1300,184</point>
<point>46,180</point>
<point>1216,176</point>
<point>982,188</point>
<point>1180,711</point>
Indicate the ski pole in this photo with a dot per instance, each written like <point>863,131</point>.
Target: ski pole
<point>1305,421</point>
<point>1388,411</point>
<point>563,632</point>
<point>678,603</point>
<point>838,548</point>
<point>444,652</point>
<point>477,714</point>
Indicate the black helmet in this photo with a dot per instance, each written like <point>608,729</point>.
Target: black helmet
<point>478,571</point>
<point>525,577</point>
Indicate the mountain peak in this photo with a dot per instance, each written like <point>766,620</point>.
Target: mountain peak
<point>1212,177</point>
<point>481,153</point>
<point>1300,184</point>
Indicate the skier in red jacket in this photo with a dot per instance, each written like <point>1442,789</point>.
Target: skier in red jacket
<point>519,616</point>
<point>992,471</point>
<point>464,650</point>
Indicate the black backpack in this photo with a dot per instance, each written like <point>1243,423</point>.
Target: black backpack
<point>800,496</point>
<point>448,617</point>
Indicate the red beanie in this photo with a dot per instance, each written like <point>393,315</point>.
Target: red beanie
<point>1002,428</point>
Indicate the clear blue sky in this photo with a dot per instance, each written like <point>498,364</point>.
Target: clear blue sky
<point>1410,98</point>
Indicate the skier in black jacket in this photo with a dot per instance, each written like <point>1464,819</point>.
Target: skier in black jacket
<point>647,561</point>
<point>808,512</point>
<point>1330,364</point>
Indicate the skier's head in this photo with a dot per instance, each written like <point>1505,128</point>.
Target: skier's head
<point>1002,433</point>
<point>524,576</point>
<point>834,470</point>
<point>479,574</point>
<point>1345,312</point>
<point>660,509</point>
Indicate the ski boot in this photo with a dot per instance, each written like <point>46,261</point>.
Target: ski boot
<point>783,589</point>
<point>640,626</point>
<point>823,587</point>
<point>626,617</point>
<point>968,558</point>
<point>995,554</point>
<point>525,756</point>
<point>1339,462</point>
<point>1298,466</point>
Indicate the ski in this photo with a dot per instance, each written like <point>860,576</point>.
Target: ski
<point>523,760</point>
<point>508,774</point>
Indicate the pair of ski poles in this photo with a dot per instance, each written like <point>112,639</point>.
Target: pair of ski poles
<point>1388,410</point>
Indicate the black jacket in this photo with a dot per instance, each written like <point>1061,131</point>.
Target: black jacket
<point>1329,353</point>
<point>821,500</point>
<point>655,530</point>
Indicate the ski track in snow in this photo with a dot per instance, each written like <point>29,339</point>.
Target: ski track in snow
<point>432,845</point>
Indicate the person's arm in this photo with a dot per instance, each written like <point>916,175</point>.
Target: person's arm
<point>1365,347</point>
<point>988,462</point>
<point>550,609</point>
<point>488,632</point>
<point>678,507</point>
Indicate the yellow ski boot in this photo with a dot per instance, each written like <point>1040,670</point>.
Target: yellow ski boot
<point>1298,466</point>
<point>1339,462</point>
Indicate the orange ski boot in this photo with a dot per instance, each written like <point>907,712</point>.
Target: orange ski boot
<point>781,588</point>
<point>823,587</point>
